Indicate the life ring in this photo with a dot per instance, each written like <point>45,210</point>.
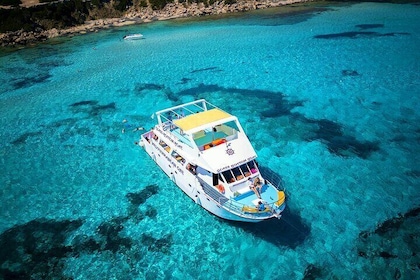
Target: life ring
<point>221,188</point>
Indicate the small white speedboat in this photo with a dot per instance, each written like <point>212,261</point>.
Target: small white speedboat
<point>133,36</point>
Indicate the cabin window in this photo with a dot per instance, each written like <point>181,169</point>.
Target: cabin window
<point>177,157</point>
<point>221,178</point>
<point>228,176</point>
<point>192,168</point>
<point>237,173</point>
<point>165,146</point>
<point>252,167</point>
<point>199,134</point>
<point>232,125</point>
<point>245,170</point>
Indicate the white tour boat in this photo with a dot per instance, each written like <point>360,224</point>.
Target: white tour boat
<point>205,151</point>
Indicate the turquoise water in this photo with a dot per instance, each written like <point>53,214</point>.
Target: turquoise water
<point>329,97</point>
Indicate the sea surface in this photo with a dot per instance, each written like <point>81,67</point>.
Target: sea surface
<point>328,94</point>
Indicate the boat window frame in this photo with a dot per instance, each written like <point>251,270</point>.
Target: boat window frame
<point>178,157</point>
<point>246,173</point>
<point>165,146</point>
<point>229,180</point>
<point>192,168</point>
<point>221,178</point>
<point>254,167</point>
<point>237,176</point>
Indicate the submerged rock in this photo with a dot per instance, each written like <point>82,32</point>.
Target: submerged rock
<point>393,242</point>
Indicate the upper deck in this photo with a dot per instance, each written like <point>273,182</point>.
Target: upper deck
<point>199,124</point>
<point>203,127</point>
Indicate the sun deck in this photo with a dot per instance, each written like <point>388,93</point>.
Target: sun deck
<point>201,119</point>
<point>199,124</point>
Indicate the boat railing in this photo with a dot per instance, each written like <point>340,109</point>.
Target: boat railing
<point>272,177</point>
<point>212,193</point>
<point>235,206</point>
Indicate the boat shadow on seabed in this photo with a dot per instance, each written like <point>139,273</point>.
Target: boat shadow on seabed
<point>289,231</point>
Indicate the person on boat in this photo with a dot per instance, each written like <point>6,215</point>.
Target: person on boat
<point>192,168</point>
<point>256,187</point>
<point>261,206</point>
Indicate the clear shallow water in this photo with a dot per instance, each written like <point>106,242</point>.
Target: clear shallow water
<point>328,96</point>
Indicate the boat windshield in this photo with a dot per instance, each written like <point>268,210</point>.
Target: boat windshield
<point>238,173</point>
<point>214,136</point>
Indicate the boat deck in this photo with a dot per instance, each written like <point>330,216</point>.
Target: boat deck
<point>268,194</point>
<point>209,137</point>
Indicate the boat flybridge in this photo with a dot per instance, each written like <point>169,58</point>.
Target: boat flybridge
<point>206,153</point>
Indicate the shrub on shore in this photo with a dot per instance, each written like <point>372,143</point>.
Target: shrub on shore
<point>13,3</point>
<point>58,15</point>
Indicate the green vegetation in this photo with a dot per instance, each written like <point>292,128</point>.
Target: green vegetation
<point>14,3</point>
<point>159,4</point>
<point>59,15</point>
<point>67,13</point>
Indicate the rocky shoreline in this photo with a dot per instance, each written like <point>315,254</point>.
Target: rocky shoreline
<point>170,11</point>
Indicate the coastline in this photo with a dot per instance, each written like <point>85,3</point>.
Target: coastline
<point>144,15</point>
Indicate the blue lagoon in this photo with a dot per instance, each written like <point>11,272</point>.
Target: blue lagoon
<point>328,95</point>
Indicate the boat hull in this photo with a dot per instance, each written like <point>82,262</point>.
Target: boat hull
<point>190,185</point>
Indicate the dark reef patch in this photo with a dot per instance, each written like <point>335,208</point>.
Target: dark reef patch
<point>64,122</point>
<point>84,103</point>
<point>162,245</point>
<point>350,34</point>
<point>111,239</point>
<point>29,81</point>
<point>350,73</point>
<point>396,222</point>
<point>212,69</point>
<point>413,173</point>
<point>35,250</point>
<point>68,128</point>
<point>99,109</point>
<point>184,81</point>
<point>290,231</point>
<point>358,34</point>
<point>39,248</point>
<point>330,133</point>
<point>369,26</point>
<point>284,17</point>
<point>395,240</point>
<point>280,106</point>
<point>326,131</point>
<point>92,108</point>
<point>313,272</point>
<point>139,198</point>
<point>24,137</point>
<point>171,95</point>
<point>140,88</point>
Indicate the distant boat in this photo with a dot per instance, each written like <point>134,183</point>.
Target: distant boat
<point>205,151</point>
<point>137,36</point>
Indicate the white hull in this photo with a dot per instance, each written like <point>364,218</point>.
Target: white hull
<point>190,185</point>
<point>131,37</point>
<point>200,170</point>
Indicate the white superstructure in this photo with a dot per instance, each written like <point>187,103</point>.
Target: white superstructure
<point>205,151</point>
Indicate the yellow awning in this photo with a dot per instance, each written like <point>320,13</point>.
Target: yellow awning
<point>199,119</point>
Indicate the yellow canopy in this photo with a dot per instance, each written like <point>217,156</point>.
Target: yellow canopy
<point>199,119</point>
